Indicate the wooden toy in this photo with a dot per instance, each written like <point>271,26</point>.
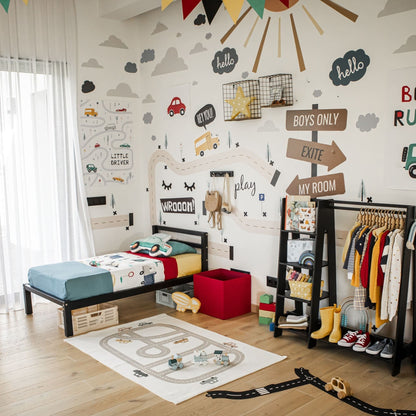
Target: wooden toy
<point>266,313</point>
<point>184,302</point>
<point>266,298</point>
<point>175,363</point>
<point>221,358</point>
<point>339,385</point>
<point>201,358</point>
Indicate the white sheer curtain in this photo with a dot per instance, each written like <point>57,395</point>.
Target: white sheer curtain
<point>43,210</point>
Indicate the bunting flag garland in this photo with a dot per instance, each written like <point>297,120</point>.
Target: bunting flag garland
<point>233,8</point>
<point>5,4</point>
<point>211,7</point>
<point>258,6</point>
<point>165,3</point>
<point>188,6</point>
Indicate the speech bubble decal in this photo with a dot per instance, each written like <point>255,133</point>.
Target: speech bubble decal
<point>351,67</point>
<point>205,115</point>
<point>224,61</point>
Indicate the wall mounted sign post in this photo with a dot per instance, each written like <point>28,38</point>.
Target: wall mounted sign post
<point>328,155</point>
<point>321,154</point>
<point>318,186</point>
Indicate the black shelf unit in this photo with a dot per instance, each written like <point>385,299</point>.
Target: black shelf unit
<point>324,231</point>
<point>325,225</point>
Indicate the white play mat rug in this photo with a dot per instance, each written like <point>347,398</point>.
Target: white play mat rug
<point>141,350</point>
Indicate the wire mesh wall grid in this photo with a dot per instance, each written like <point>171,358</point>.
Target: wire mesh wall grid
<point>251,88</point>
<point>276,90</point>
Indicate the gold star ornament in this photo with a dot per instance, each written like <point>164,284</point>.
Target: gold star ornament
<point>240,104</point>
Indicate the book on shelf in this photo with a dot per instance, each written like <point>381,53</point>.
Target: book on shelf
<point>300,213</point>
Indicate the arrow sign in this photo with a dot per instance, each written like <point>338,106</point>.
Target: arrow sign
<point>322,154</point>
<point>316,119</point>
<point>318,186</point>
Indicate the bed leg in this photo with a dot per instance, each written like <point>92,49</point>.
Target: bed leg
<point>28,301</point>
<point>68,321</point>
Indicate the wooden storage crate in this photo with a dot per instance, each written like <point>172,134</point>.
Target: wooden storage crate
<point>91,318</point>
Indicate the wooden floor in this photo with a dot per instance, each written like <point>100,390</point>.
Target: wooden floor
<point>42,375</point>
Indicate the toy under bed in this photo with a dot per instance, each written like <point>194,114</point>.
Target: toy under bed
<point>74,285</point>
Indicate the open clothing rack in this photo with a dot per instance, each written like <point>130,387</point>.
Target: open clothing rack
<point>409,213</point>
<point>325,230</point>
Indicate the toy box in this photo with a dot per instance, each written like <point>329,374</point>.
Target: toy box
<point>164,296</point>
<point>223,293</point>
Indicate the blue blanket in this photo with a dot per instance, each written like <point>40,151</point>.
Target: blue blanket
<point>71,280</point>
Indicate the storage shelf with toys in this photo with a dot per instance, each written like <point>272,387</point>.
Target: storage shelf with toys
<point>305,225</point>
<point>346,325</point>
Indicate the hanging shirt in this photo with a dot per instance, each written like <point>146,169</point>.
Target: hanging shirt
<point>359,247</point>
<point>386,284</point>
<point>375,256</point>
<point>348,241</point>
<point>366,263</point>
<point>395,275</point>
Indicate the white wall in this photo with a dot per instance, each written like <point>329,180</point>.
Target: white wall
<point>372,156</point>
<point>365,151</point>
<point>92,31</point>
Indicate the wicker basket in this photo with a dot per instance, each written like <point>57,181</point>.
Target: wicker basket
<point>302,290</point>
<point>91,318</point>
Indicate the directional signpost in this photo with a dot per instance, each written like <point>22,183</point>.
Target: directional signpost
<point>316,153</point>
<point>322,154</point>
<point>318,186</point>
<point>316,120</point>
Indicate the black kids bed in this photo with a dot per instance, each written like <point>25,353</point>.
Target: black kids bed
<point>196,239</point>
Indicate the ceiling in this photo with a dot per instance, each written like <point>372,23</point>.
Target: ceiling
<point>125,9</point>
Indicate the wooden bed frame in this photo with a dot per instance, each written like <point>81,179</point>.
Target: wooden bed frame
<point>69,305</point>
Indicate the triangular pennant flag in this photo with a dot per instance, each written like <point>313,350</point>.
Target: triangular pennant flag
<point>285,2</point>
<point>165,3</point>
<point>211,7</point>
<point>188,6</point>
<point>5,4</point>
<point>258,6</point>
<point>233,8</point>
<point>26,2</point>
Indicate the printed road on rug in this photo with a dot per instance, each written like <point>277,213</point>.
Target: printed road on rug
<point>149,352</point>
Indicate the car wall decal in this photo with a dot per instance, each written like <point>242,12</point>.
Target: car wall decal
<point>176,106</point>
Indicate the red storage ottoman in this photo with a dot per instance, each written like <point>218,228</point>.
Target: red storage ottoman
<point>223,293</point>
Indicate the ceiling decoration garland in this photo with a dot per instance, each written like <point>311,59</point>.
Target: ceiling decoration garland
<point>211,7</point>
<point>6,4</point>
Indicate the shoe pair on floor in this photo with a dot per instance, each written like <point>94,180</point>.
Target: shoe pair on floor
<point>360,342</point>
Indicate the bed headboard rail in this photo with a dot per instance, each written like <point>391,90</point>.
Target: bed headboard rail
<point>200,243</point>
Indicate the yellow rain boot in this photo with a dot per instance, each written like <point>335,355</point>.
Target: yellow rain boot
<point>336,330</point>
<point>327,323</point>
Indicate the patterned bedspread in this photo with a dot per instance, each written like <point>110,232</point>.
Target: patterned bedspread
<point>129,270</point>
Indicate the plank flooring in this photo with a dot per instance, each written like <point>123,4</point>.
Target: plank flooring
<point>42,375</point>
